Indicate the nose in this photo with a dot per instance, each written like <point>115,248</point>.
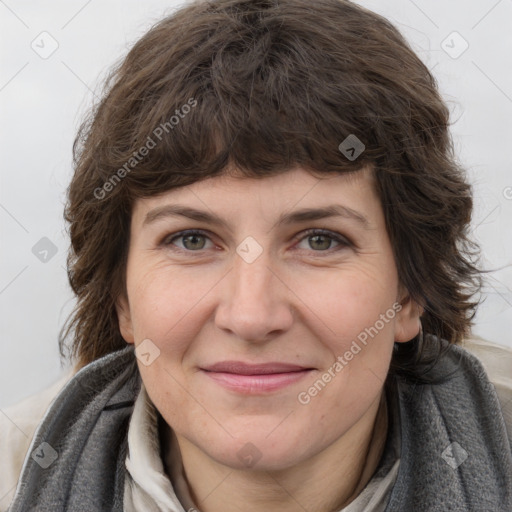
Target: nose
<point>255,303</point>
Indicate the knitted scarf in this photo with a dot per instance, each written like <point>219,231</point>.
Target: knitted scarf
<point>454,451</point>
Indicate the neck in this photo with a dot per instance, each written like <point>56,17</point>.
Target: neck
<point>328,481</point>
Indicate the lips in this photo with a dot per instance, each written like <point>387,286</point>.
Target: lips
<point>256,379</point>
<point>253,369</point>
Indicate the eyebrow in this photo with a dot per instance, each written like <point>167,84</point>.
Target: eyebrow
<point>295,217</point>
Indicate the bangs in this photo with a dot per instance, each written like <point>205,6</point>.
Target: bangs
<point>235,104</point>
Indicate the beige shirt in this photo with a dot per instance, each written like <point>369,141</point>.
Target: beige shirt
<point>149,489</point>
<point>147,486</point>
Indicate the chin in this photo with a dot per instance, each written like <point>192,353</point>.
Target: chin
<point>259,451</point>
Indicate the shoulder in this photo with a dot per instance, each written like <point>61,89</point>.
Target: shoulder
<point>18,424</point>
<point>455,446</point>
<point>497,362</point>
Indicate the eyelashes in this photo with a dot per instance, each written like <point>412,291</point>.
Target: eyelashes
<point>168,241</point>
<point>318,236</point>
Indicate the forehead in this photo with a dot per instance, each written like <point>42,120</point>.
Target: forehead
<point>230,196</point>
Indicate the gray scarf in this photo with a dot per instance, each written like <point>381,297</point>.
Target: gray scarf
<point>455,453</point>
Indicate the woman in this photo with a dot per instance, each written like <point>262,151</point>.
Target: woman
<point>273,274</point>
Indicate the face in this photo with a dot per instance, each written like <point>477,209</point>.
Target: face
<point>260,322</point>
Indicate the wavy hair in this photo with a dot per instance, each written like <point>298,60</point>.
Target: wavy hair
<point>270,85</point>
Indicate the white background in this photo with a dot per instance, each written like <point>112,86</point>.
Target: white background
<point>43,100</point>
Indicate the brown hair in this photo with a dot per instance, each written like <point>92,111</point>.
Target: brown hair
<point>261,86</point>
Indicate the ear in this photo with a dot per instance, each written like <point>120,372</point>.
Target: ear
<point>125,319</point>
<point>408,323</point>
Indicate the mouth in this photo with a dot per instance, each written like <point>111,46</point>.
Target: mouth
<point>255,378</point>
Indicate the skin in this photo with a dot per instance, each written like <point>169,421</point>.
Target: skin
<point>303,300</point>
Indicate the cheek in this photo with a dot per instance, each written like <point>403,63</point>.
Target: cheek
<point>165,304</point>
<point>356,316</point>
<point>349,303</point>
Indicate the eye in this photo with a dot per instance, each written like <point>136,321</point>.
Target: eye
<point>194,240</point>
<point>320,240</point>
